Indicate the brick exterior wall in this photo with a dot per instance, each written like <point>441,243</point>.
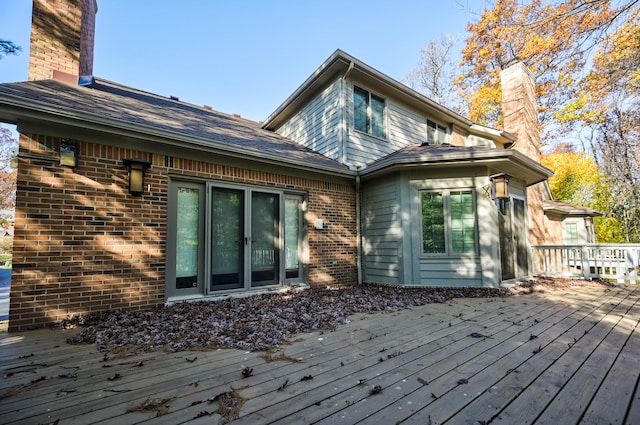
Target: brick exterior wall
<point>83,244</point>
<point>62,34</point>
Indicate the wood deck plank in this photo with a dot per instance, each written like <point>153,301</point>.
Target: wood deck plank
<point>509,385</point>
<point>540,393</point>
<point>451,341</point>
<point>430,342</point>
<point>575,397</point>
<point>481,372</point>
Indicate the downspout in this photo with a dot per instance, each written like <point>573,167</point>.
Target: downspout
<point>343,108</point>
<point>358,224</point>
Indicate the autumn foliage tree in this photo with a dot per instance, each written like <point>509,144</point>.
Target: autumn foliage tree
<point>585,56</point>
<point>551,38</point>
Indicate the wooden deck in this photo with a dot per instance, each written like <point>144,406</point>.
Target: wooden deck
<point>565,357</point>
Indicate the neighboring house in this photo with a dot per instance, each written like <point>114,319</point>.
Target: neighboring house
<point>568,224</point>
<point>128,199</point>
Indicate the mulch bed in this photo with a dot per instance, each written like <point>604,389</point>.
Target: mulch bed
<point>264,321</point>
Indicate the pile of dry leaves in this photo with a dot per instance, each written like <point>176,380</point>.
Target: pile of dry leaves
<point>257,322</point>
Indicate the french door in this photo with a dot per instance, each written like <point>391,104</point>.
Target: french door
<point>229,238</point>
<point>245,238</point>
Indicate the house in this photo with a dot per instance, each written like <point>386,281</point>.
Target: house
<point>127,199</point>
<point>568,224</point>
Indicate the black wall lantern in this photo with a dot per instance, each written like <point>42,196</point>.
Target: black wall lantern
<point>137,168</point>
<point>500,186</point>
<point>68,154</point>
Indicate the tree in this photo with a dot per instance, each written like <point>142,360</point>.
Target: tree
<point>552,39</point>
<point>8,48</point>
<point>436,73</point>
<point>8,175</point>
<point>585,56</point>
<point>617,142</point>
<point>576,175</point>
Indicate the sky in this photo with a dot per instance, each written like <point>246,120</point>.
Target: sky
<point>246,57</point>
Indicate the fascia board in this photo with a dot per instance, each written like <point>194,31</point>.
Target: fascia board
<point>514,161</point>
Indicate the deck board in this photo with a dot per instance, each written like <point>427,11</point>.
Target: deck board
<point>585,369</point>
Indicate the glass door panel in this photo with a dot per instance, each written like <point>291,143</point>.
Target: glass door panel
<point>227,239</point>
<point>265,249</point>
<point>187,237</point>
<point>185,240</point>
<point>292,237</point>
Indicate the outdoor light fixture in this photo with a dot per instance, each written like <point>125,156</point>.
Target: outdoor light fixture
<point>136,169</point>
<point>68,154</point>
<point>500,186</point>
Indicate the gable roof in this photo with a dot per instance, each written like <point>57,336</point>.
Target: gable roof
<point>144,118</point>
<point>341,64</point>
<point>566,209</point>
<point>507,161</point>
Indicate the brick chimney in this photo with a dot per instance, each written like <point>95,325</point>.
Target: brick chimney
<point>521,119</point>
<point>62,38</point>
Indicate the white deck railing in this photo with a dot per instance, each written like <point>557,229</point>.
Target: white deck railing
<point>620,262</point>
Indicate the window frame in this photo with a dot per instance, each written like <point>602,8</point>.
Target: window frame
<point>370,117</point>
<point>433,130</point>
<point>446,194</point>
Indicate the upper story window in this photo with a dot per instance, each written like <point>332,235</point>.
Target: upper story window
<point>436,133</point>
<point>368,112</point>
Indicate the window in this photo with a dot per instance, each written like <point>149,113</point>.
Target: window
<point>571,233</point>
<point>436,133</point>
<point>433,223</point>
<point>368,113</point>
<point>448,222</point>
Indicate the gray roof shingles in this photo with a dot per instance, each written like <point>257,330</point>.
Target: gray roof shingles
<point>105,99</point>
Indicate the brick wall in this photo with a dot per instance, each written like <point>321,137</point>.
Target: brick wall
<point>521,118</point>
<point>83,244</point>
<point>62,33</point>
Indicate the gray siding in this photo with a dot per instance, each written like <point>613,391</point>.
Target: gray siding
<point>404,128</point>
<point>317,125</point>
<point>382,233</point>
<point>448,271</point>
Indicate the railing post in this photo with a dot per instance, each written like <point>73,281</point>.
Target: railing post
<point>632,263</point>
<point>584,259</point>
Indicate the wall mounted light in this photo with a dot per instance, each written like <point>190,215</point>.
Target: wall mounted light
<point>500,186</point>
<point>137,169</point>
<point>68,154</point>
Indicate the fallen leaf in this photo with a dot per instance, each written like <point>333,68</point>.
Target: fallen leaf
<point>247,372</point>
<point>284,385</point>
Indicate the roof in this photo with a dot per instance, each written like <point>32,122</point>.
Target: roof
<point>140,116</point>
<point>564,208</point>
<point>342,64</point>
<point>507,161</point>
